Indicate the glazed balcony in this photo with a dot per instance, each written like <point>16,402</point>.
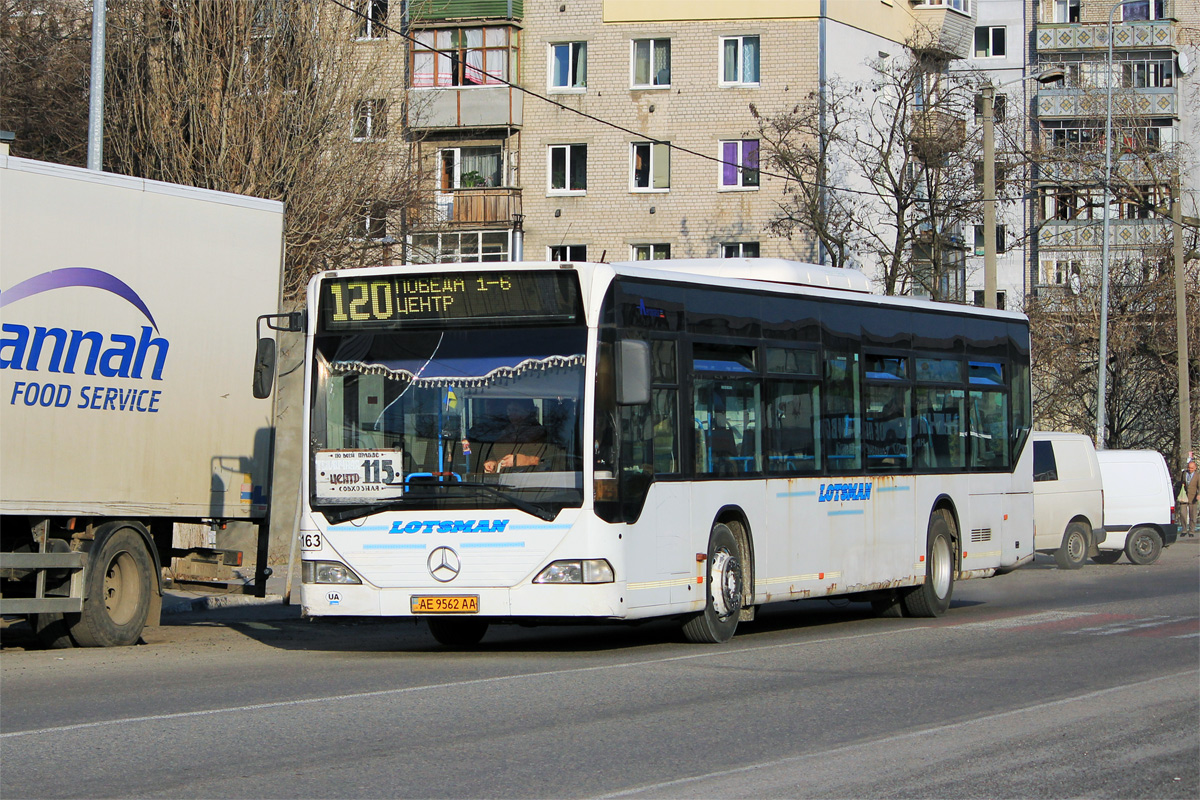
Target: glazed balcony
<point>1089,234</point>
<point>1076,103</point>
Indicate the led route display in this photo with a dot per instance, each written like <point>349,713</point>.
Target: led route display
<point>390,301</point>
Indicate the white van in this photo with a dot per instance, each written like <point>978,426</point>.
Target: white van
<point>1139,506</point>
<point>1068,498</point>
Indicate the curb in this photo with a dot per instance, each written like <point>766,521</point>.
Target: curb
<point>176,604</point>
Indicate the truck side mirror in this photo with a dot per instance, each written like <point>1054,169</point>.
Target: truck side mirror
<point>264,368</point>
<point>633,372</point>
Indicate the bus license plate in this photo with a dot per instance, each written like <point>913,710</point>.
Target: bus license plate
<point>441,604</point>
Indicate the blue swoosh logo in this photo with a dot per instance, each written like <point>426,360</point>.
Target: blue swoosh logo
<point>75,276</point>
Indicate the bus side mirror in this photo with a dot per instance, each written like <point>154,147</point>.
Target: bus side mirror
<point>264,368</point>
<point>264,357</point>
<point>633,373</point>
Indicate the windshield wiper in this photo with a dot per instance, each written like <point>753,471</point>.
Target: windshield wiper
<point>336,515</point>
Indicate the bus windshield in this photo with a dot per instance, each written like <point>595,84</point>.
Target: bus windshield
<point>459,418</point>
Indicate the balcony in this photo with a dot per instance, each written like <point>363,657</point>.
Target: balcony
<point>1080,168</point>
<point>1075,103</point>
<point>467,107</point>
<point>936,134</point>
<point>951,33</point>
<point>481,206</point>
<point>1094,36</point>
<point>1089,234</point>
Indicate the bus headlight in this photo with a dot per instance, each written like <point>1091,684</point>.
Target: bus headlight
<point>589,570</point>
<point>326,572</point>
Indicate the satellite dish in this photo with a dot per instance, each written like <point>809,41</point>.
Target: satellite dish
<point>1185,64</point>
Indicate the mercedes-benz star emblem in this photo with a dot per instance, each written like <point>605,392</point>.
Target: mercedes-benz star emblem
<point>444,565</point>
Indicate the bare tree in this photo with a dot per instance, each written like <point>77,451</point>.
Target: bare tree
<point>45,50</point>
<point>882,170</point>
<point>271,99</point>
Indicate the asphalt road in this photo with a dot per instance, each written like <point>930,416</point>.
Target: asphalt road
<point>1042,683</point>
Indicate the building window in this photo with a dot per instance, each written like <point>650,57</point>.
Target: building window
<point>1001,298</point>
<point>651,166</point>
<point>372,18</point>
<point>1062,11</point>
<point>980,244</point>
<point>958,5</point>
<point>568,252</point>
<point>739,164</point>
<point>1060,272</point>
<point>1145,9</point>
<point>651,252</point>
<point>370,120</point>
<point>739,250</point>
<point>568,65</point>
<point>651,63</point>
<point>568,168</point>
<point>999,108</point>
<point>990,41</point>
<point>455,247</point>
<point>470,167</point>
<point>461,57</point>
<point>371,223</point>
<point>739,61</point>
<point>1001,175</point>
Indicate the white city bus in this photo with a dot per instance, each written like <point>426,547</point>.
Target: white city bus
<point>570,442</point>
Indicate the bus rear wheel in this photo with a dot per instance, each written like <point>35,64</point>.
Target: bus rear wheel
<point>932,598</point>
<point>458,632</point>
<point>725,578</point>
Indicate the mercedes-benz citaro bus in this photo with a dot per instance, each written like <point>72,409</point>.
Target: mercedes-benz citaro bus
<point>692,439</point>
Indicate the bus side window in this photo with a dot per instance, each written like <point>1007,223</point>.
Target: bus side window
<point>792,419</point>
<point>840,428</point>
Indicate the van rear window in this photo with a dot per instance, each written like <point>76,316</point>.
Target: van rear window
<point>1044,466</point>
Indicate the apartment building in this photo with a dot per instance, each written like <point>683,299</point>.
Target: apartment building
<point>1149,90</point>
<point>649,149</point>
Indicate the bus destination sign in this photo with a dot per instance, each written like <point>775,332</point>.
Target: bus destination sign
<point>390,301</point>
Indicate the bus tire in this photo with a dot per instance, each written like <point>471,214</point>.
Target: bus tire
<point>457,632</point>
<point>1143,545</point>
<point>1074,548</point>
<point>120,578</point>
<point>725,580</point>
<point>932,598</point>
<point>1107,557</point>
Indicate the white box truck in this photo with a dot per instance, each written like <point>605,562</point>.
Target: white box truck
<point>129,435</point>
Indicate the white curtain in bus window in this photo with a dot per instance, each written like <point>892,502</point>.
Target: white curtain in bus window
<point>727,398</point>
<point>988,407</point>
<point>840,422</point>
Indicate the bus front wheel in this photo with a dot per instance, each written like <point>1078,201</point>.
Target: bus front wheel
<point>725,577</point>
<point>932,598</point>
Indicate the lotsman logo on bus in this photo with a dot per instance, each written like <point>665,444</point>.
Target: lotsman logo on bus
<point>450,526</point>
<point>831,492</point>
<point>70,352</point>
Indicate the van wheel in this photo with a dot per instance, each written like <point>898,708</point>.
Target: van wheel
<point>1073,551</point>
<point>1107,557</point>
<point>725,578</point>
<point>932,598</point>
<point>1143,545</point>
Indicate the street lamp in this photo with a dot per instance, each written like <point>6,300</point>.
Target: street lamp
<point>1102,364</point>
<point>989,177</point>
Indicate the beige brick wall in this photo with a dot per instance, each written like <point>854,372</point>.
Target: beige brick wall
<point>695,113</point>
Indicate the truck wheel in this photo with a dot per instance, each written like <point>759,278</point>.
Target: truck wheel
<point>120,577</point>
<point>52,631</point>
<point>1143,545</point>
<point>725,578</point>
<point>1107,557</point>
<point>932,598</point>
<point>458,632</point>
<point>1073,551</point>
